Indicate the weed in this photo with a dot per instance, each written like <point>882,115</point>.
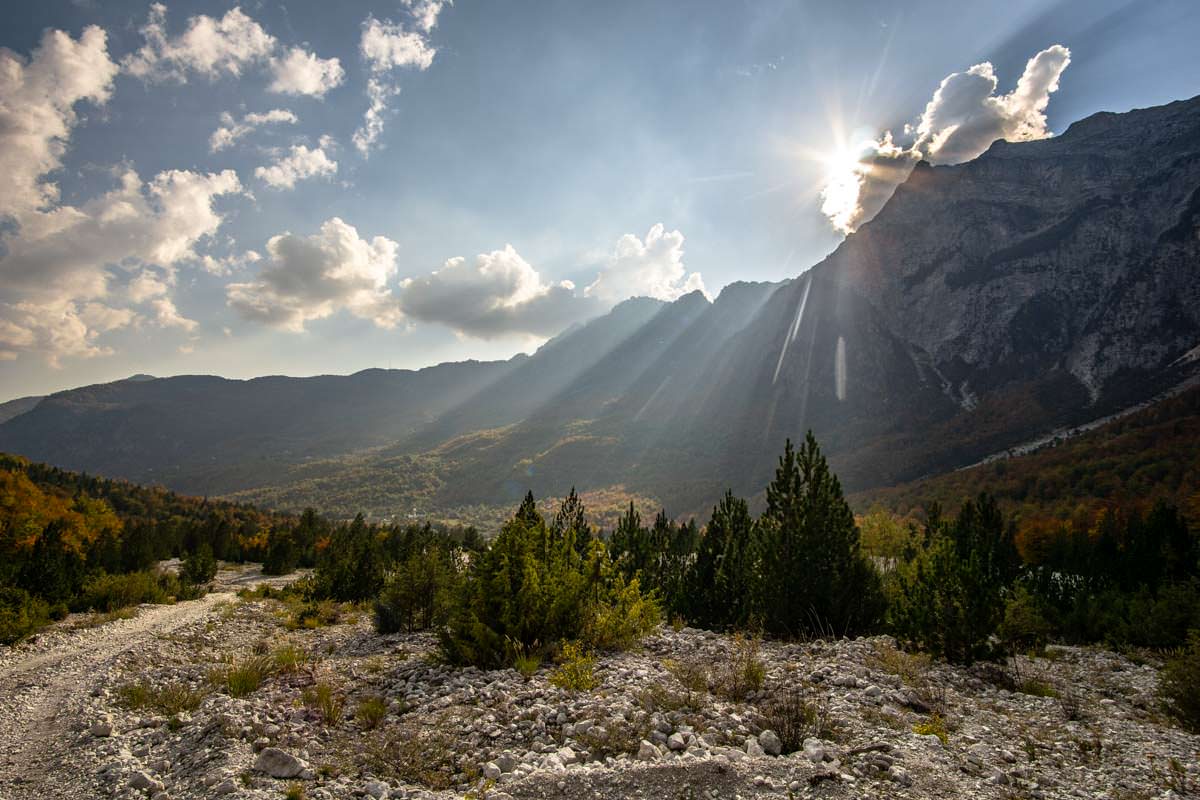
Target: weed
<point>527,663</point>
<point>794,718</point>
<point>744,672</point>
<point>324,699</point>
<point>243,678</point>
<point>169,700</point>
<point>420,755</point>
<point>289,658</point>
<point>934,725</point>
<point>575,672</point>
<point>371,711</point>
<point>911,668</point>
<point>295,791</point>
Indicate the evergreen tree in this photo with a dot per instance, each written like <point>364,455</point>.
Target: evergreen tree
<point>724,575</point>
<point>571,519</point>
<point>815,579</point>
<point>528,513</point>
<point>200,566</point>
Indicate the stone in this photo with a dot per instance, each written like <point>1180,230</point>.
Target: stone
<point>278,764</point>
<point>814,750</point>
<point>770,743</point>
<point>753,748</point>
<point>102,727</point>
<point>143,782</point>
<point>647,752</point>
<point>377,789</point>
<point>676,742</point>
<point>492,771</point>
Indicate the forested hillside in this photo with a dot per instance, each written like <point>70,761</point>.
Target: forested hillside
<point>1133,462</point>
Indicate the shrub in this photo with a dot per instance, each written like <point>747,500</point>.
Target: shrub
<point>328,702</point>
<point>949,599</point>
<point>934,725</point>
<point>20,614</point>
<point>1024,627</point>
<point>200,566</point>
<point>744,671</point>
<point>371,711</point>
<point>575,672</point>
<point>793,719</point>
<point>169,700</point>
<point>1179,685</point>
<point>531,586</point>
<point>527,663</point>
<point>417,594</point>
<point>111,592</point>
<point>244,677</point>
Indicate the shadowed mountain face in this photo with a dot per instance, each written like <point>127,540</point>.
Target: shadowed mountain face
<point>1040,285</point>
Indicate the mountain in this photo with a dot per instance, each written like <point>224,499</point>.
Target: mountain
<point>1039,286</point>
<point>17,407</point>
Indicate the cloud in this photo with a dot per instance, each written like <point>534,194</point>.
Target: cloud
<point>962,119</point>
<point>499,293</point>
<point>37,111</point>
<point>55,259</point>
<point>425,12</point>
<point>650,267</point>
<point>228,46</point>
<point>231,130</point>
<point>386,47</point>
<point>496,294</point>
<point>300,163</point>
<point>313,277</point>
<point>167,316</point>
<point>57,263</point>
<point>209,46</point>
<point>301,72</point>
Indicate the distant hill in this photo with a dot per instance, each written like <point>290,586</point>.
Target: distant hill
<point>1131,462</point>
<point>15,408</point>
<point>1039,286</point>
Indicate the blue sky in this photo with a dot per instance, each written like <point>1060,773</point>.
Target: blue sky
<point>536,162</point>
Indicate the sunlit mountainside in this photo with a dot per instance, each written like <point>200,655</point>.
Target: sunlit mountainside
<point>1040,285</point>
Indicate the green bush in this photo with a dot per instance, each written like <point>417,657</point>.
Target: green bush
<point>575,672</point>
<point>1179,685</point>
<point>950,597</point>
<point>199,567</point>
<point>20,614</point>
<point>111,592</point>
<point>532,587</point>
<point>417,594</point>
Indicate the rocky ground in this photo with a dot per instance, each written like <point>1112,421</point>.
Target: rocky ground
<point>241,697</point>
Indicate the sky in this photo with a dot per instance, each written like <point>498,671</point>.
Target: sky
<point>307,187</point>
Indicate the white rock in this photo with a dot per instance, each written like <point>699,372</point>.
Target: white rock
<point>676,742</point>
<point>278,764</point>
<point>492,771</point>
<point>770,743</point>
<point>648,752</point>
<point>814,750</point>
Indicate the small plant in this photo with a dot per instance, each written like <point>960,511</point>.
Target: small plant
<point>243,678</point>
<point>324,699</point>
<point>371,711</point>
<point>170,700</point>
<point>295,791</point>
<point>575,670</point>
<point>794,718</point>
<point>289,658</point>
<point>135,695</point>
<point>1071,706</point>
<point>527,664</point>
<point>911,668</point>
<point>1179,685</point>
<point>934,725</point>
<point>691,675</point>
<point>744,672</point>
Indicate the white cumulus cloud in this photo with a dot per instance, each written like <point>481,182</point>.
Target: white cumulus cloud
<point>228,46</point>
<point>386,46</point>
<point>231,130</point>
<point>646,267</point>
<point>302,72</point>
<point>962,119</point>
<point>312,277</point>
<point>494,294</point>
<point>37,111</point>
<point>209,46</point>
<point>297,164</point>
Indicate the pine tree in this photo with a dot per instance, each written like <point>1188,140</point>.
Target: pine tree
<point>571,520</point>
<point>815,579</point>
<point>722,578</point>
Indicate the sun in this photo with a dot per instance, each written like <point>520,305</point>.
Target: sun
<point>844,176</point>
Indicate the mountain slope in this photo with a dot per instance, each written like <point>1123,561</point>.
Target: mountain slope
<point>1042,285</point>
